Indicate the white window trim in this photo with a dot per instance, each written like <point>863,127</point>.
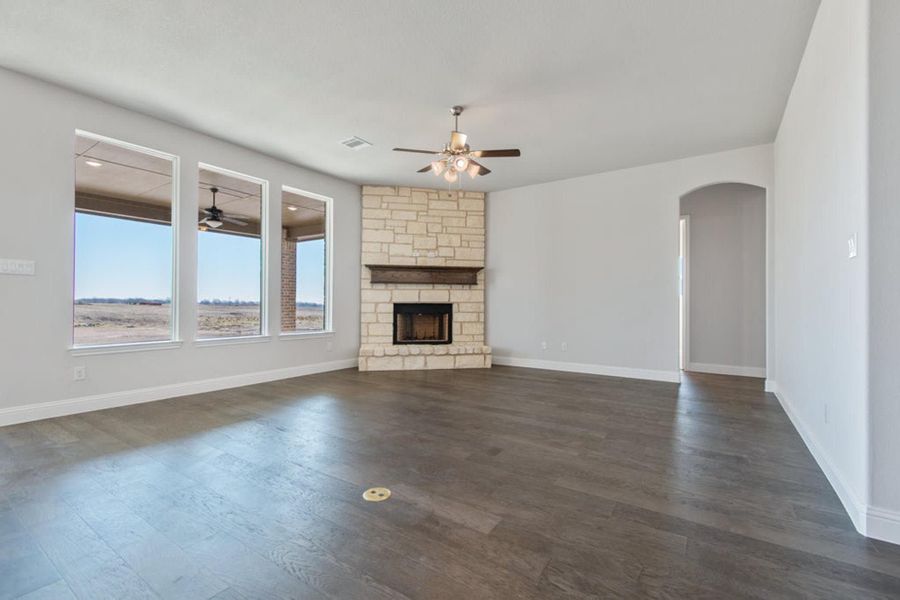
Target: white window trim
<point>232,341</point>
<point>299,335</point>
<point>175,331</point>
<point>264,201</point>
<point>328,325</point>
<point>126,347</point>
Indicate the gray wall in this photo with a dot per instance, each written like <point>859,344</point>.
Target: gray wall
<point>884,267</point>
<point>821,298</point>
<point>727,331</point>
<point>39,122</point>
<point>592,263</point>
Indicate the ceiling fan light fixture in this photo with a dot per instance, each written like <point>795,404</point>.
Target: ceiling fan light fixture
<point>473,170</point>
<point>451,176</point>
<point>458,140</point>
<point>460,163</point>
<point>438,167</point>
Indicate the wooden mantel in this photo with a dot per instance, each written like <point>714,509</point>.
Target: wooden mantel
<point>424,274</point>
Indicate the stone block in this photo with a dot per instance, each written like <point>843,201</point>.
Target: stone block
<point>440,362</point>
<point>469,361</point>
<point>434,296</point>
<point>376,295</point>
<point>405,295</point>
<point>374,235</point>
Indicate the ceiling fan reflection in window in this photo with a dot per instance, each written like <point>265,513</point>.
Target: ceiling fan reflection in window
<point>215,218</point>
<point>457,157</point>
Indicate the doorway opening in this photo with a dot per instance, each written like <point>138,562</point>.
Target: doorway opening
<point>683,316</point>
<point>722,280</point>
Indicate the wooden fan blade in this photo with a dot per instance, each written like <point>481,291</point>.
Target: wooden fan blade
<point>495,153</point>
<point>234,221</point>
<point>417,151</point>
<point>425,169</point>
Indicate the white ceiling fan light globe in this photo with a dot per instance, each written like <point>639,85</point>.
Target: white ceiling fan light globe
<point>438,166</point>
<point>473,170</point>
<point>451,176</point>
<point>460,163</point>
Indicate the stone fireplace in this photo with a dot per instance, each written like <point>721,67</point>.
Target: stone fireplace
<point>422,279</point>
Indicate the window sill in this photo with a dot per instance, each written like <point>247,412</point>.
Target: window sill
<point>119,348</point>
<point>305,335</point>
<point>231,341</point>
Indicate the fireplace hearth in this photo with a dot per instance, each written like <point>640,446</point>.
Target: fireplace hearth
<point>420,323</point>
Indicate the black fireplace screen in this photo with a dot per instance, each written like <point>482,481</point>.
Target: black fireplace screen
<point>423,323</point>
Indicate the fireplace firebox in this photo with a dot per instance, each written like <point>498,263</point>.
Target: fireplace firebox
<point>423,323</point>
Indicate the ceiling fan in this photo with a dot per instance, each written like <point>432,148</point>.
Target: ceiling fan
<point>456,157</point>
<point>215,218</point>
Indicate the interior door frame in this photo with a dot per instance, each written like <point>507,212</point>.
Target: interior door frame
<point>684,251</point>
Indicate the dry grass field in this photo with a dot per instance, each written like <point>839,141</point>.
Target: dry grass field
<point>127,323</point>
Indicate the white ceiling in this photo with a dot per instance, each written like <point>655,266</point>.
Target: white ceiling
<point>581,86</point>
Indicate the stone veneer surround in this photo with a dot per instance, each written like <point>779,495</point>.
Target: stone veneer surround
<point>417,226</point>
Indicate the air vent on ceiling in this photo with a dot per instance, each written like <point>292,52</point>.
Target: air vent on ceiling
<point>355,143</point>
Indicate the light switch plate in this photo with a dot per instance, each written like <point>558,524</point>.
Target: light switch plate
<point>15,266</point>
<point>851,246</point>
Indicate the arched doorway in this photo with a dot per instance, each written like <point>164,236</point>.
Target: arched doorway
<point>722,280</point>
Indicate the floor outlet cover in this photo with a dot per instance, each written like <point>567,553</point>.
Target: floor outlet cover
<point>377,494</point>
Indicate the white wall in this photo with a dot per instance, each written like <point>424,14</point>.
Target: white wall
<point>727,324</point>
<point>821,300</point>
<point>36,204</point>
<point>592,262</point>
<point>884,270</point>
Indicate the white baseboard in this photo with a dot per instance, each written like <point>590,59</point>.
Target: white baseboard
<point>727,370</point>
<point>592,369</point>
<point>771,386</point>
<point>70,406</point>
<point>883,524</point>
<point>856,509</point>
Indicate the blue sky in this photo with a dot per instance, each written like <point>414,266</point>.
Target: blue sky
<point>117,258</point>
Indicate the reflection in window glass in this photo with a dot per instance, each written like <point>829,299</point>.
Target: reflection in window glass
<point>303,268</point>
<point>229,256</point>
<point>123,243</point>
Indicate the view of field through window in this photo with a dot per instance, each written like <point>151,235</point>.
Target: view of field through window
<point>229,255</point>
<point>124,250</point>
<point>303,265</point>
<point>123,244</point>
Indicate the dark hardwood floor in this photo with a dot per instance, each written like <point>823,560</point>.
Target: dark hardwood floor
<point>507,483</point>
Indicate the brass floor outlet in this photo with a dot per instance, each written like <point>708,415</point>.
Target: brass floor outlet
<point>376,494</point>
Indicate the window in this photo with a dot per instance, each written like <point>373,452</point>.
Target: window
<point>304,262</point>
<point>230,254</point>
<point>124,243</point>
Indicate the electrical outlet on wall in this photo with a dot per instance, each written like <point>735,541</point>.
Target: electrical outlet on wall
<point>79,373</point>
<point>543,345</point>
<point>564,346</point>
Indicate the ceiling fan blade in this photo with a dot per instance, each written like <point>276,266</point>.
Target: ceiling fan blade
<point>234,221</point>
<point>482,170</point>
<point>203,220</point>
<point>417,151</point>
<point>425,169</point>
<point>495,153</point>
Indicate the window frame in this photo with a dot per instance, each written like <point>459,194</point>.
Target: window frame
<point>328,323</point>
<point>174,340</point>
<point>264,202</point>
